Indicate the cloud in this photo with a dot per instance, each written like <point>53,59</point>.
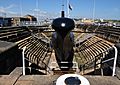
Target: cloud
<point>43,14</point>
<point>2,10</point>
<point>6,10</point>
<point>10,6</point>
<point>116,10</point>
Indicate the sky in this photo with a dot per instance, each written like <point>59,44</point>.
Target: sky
<point>104,9</point>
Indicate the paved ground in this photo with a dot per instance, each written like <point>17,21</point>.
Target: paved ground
<point>6,45</point>
<point>15,78</point>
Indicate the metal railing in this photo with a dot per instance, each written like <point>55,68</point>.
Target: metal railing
<point>105,61</point>
<point>32,23</point>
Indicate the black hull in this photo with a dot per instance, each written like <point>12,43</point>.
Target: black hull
<point>66,63</point>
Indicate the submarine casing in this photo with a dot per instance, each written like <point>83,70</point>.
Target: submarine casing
<point>63,42</point>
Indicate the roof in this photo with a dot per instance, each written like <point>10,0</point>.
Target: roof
<point>29,16</point>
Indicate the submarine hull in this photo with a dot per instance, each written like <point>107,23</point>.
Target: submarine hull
<point>63,41</point>
<point>63,50</point>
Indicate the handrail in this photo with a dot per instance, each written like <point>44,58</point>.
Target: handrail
<point>115,61</point>
<point>95,58</point>
<point>23,55</point>
<point>108,60</point>
<point>40,60</point>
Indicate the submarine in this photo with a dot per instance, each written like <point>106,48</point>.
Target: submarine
<point>63,41</point>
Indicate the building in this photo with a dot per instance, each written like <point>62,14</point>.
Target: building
<point>5,21</point>
<point>1,21</point>
<point>87,21</point>
<point>30,17</point>
<point>17,21</point>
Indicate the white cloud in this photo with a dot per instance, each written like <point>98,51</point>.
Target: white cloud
<point>116,10</point>
<point>43,14</point>
<point>10,6</point>
<point>2,10</point>
<point>6,10</point>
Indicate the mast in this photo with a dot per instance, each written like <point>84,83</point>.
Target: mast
<point>93,10</point>
<point>37,9</point>
<point>62,12</point>
<point>68,10</point>
<point>21,10</point>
